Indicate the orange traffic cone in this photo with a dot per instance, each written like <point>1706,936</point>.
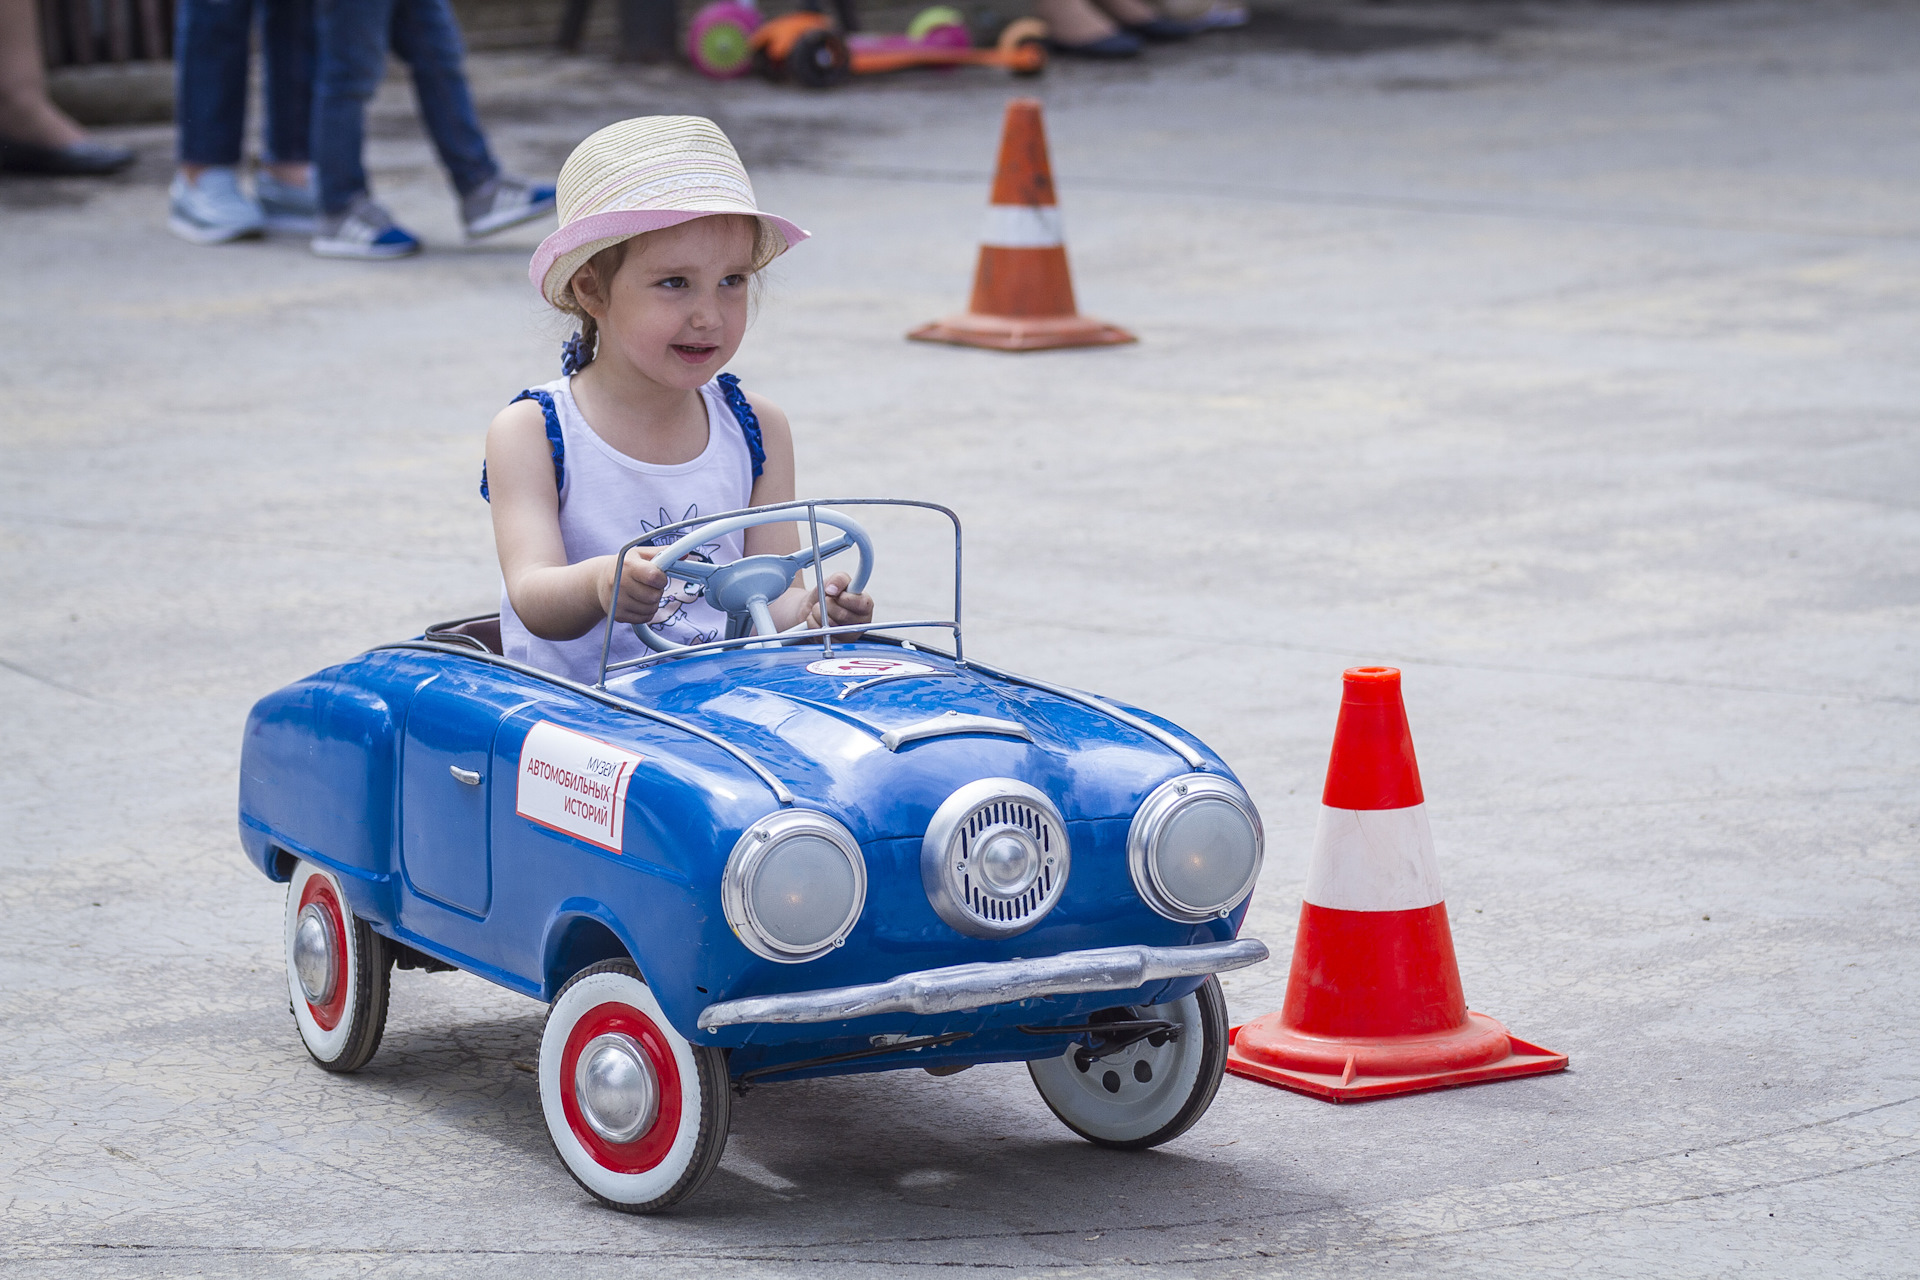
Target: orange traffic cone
<point>1373,1003</point>
<point>1022,291</point>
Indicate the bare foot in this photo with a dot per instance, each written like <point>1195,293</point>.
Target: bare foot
<point>26,113</point>
<point>1074,22</point>
<point>1130,13</point>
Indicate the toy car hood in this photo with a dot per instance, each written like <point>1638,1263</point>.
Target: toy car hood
<point>885,751</point>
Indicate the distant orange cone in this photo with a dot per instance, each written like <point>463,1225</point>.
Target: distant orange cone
<point>1374,1005</point>
<point>1022,291</point>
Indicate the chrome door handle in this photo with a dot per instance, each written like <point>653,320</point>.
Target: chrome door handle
<point>469,776</point>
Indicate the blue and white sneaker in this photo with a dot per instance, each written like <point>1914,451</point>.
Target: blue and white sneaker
<point>212,210</point>
<point>285,207</point>
<point>364,231</point>
<point>503,202</point>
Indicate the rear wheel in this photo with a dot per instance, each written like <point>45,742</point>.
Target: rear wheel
<point>338,972</point>
<point>638,1115</point>
<point>819,60</point>
<point>1151,1091</point>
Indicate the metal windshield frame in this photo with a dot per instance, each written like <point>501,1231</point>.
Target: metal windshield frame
<point>825,635</point>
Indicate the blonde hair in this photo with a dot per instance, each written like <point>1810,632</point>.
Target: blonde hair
<point>768,244</point>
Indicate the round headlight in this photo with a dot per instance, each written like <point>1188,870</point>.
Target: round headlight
<point>1195,848</point>
<point>794,886</point>
<point>995,859</point>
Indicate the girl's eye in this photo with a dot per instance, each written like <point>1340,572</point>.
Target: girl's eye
<point>673,282</point>
<point>737,279</point>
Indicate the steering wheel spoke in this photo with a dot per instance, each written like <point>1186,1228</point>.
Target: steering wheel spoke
<point>690,570</point>
<point>807,557</point>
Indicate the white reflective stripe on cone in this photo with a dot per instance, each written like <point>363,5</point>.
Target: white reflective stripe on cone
<point>1022,226</point>
<point>1374,860</point>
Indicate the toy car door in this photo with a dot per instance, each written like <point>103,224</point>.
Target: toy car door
<point>445,785</point>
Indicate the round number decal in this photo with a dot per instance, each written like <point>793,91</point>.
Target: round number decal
<point>865,667</point>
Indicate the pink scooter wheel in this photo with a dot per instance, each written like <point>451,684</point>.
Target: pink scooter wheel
<point>717,39</point>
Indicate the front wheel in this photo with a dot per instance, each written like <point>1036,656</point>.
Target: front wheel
<point>338,972</point>
<point>638,1115</point>
<point>1151,1091</point>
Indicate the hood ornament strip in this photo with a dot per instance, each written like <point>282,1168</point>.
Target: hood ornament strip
<point>953,722</point>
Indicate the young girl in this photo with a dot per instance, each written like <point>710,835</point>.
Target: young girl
<point>658,245</point>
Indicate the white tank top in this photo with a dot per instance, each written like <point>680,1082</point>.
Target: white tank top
<point>607,499</point>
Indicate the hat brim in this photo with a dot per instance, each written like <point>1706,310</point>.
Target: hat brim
<point>566,250</point>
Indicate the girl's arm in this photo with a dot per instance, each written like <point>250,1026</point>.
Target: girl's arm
<point>798,604</point>
<point>556,600</point>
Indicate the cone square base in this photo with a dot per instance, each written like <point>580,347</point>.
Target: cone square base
<point>1353,1085</point>
<point>1022,333</point>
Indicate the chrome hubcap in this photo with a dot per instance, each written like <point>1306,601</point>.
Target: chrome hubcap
<point>615,1085</point>
<point>314,948</point>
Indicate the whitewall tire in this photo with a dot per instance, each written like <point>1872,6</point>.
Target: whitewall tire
<point>338,972</point>
<point>1151,1091</point>
<point>638,1115</point>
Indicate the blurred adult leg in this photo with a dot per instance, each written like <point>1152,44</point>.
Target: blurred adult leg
<point>352,43</point>
<point>426,36</point>
<point>210,49</point>
<point>288,42</point>
<point>35,135</point>
<point>284,189</point>
<point>352,36</point>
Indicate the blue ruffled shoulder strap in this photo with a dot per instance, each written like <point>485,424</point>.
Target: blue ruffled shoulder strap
<point>749,421</point>
<point>556,443</point>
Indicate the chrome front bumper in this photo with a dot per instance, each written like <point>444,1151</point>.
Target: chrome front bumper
<point>973,986</point>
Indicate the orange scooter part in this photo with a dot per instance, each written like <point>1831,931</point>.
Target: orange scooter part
<point>1021,49</point>
<point>776,36</point>
<point>801,46</point>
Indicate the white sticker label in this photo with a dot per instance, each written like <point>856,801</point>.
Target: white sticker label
<point>574,783</point>
<point>870,667</point>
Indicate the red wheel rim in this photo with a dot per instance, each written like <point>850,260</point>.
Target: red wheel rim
<point>651,1147</point>
<point>328,1015</point>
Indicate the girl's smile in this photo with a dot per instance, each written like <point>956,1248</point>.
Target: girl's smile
<point>695,352</point>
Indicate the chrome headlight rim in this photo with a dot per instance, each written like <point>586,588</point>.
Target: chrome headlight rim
<point>750,853</point>
<point>1150,822</point>
<point>937,856</point>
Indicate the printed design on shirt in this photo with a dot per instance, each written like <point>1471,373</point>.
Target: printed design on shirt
<point>673,618</point>
<point>680,593</point>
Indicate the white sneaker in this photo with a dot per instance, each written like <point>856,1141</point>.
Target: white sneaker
<point>503,202</point>
<point>212,210</point>
<point>364,231</point>
<point>285,207</point>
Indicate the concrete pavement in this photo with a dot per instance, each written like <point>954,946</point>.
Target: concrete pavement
<point>1562,356</point>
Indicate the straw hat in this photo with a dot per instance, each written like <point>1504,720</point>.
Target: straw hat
<point>638,176</point>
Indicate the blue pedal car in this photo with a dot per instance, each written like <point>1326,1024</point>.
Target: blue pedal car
<point>759,859</point>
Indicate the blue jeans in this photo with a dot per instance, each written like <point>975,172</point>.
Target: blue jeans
<point>355,36</point>
<point>211,40</point>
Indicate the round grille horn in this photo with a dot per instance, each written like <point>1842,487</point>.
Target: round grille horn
<point>995,858</point>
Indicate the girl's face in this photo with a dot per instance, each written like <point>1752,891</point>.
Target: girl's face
<point>676,308</point>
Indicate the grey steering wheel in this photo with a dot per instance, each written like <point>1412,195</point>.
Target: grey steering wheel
<point>742,589</point>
